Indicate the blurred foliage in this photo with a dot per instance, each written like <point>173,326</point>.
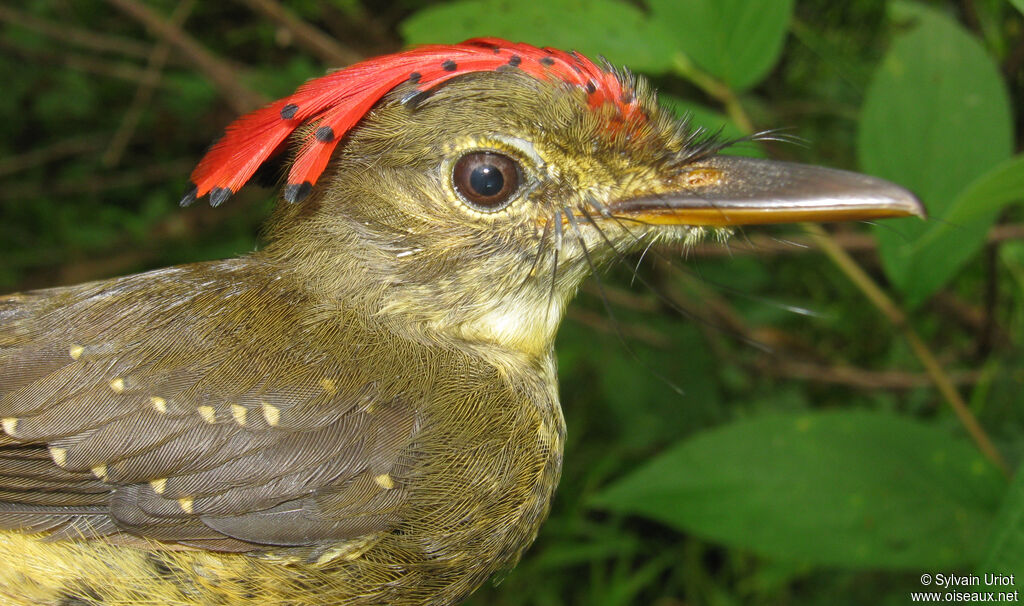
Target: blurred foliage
<point>808,460</point>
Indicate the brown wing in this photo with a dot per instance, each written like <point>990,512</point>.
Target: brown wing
<point>189,405</point>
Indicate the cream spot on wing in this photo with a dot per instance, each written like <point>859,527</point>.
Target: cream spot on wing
<point>159,404</point>
<point>271,413</point>
<point>9,424</point>
<point>208,414</point>
<point>329,385</point>
<point>186,504</point>
<point>117,385</point>
<point>100,471</point>
<point>159,485</point>
<point>76,351</point>
<point>59,455</point>
<point>238,412</point>
<point>384,481</point>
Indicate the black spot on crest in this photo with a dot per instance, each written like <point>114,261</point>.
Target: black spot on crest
<point>325,134</point>
<point>449,66</point>
<point>297,192</point>
<point>415,77</point>
<point>547,61</point>
<point>413,98</point>
<point>515,60</point>
<point>591,87</point>
<point>219,195</point>
<point>288,111</point>
<point>190,194</point>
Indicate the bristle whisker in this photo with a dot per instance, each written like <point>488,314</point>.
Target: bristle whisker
<point>667,301</point>
<point>538,256</point>
<point>556,250</point>
<point>574,224</point>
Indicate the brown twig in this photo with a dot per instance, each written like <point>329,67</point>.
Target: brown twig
<point>896,316</point>
<point>65,32</point>
<point>120,70</point>
<point>306,36</point>
<point>51,268</point>
<point>153,173</point>
<point>850,376</point>
<point>601,323</point>
<point>1014,60</point>
<point>223,76</point>
<point>620,296</point>
<point>972,317</point>
<point>51,153</point>
<point>144,92</point>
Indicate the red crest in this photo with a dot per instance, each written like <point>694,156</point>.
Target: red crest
<point>337,101</point>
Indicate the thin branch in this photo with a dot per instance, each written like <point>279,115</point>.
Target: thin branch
<point>895,315</point>
<point>50,267</point>
<point>972,317</point>
<point>67,33</point>
<point>221,73</point>
<point>305,35</point>
<point>600,322</point>
<point>101,67</point>
<point>144,92</point>
<point>712,86</point>
<point>857,378</point>
<point>44,155</point>
<point>150,174</point>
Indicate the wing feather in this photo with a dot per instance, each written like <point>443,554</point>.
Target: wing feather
<point>221,428</point>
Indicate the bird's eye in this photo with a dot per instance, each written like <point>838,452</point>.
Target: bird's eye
<point>486,180</point>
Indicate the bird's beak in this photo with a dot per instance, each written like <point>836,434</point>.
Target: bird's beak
<point>730,190</point>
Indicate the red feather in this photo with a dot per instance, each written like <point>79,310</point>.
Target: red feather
<point>336,102</point>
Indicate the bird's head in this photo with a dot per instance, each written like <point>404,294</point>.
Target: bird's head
<point>468,190</point>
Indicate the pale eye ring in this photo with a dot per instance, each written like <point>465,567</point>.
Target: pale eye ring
<point>486,180</point>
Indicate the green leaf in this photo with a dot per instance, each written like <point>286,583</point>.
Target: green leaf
<point>614,29</point>
<point>1005,551</point>
<point>1019,4</point>
<point>938,253</point>
<point>737,41</point>
<point>935,118</point>
<point>854,489</point>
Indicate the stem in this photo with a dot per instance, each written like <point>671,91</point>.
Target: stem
<point>931,365</point>
<point>220,73</point>
<point>716,88</point>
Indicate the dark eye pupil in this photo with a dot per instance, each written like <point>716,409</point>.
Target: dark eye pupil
<point>486,180</point>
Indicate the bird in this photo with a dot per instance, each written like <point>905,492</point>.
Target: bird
<point>366,409</point>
